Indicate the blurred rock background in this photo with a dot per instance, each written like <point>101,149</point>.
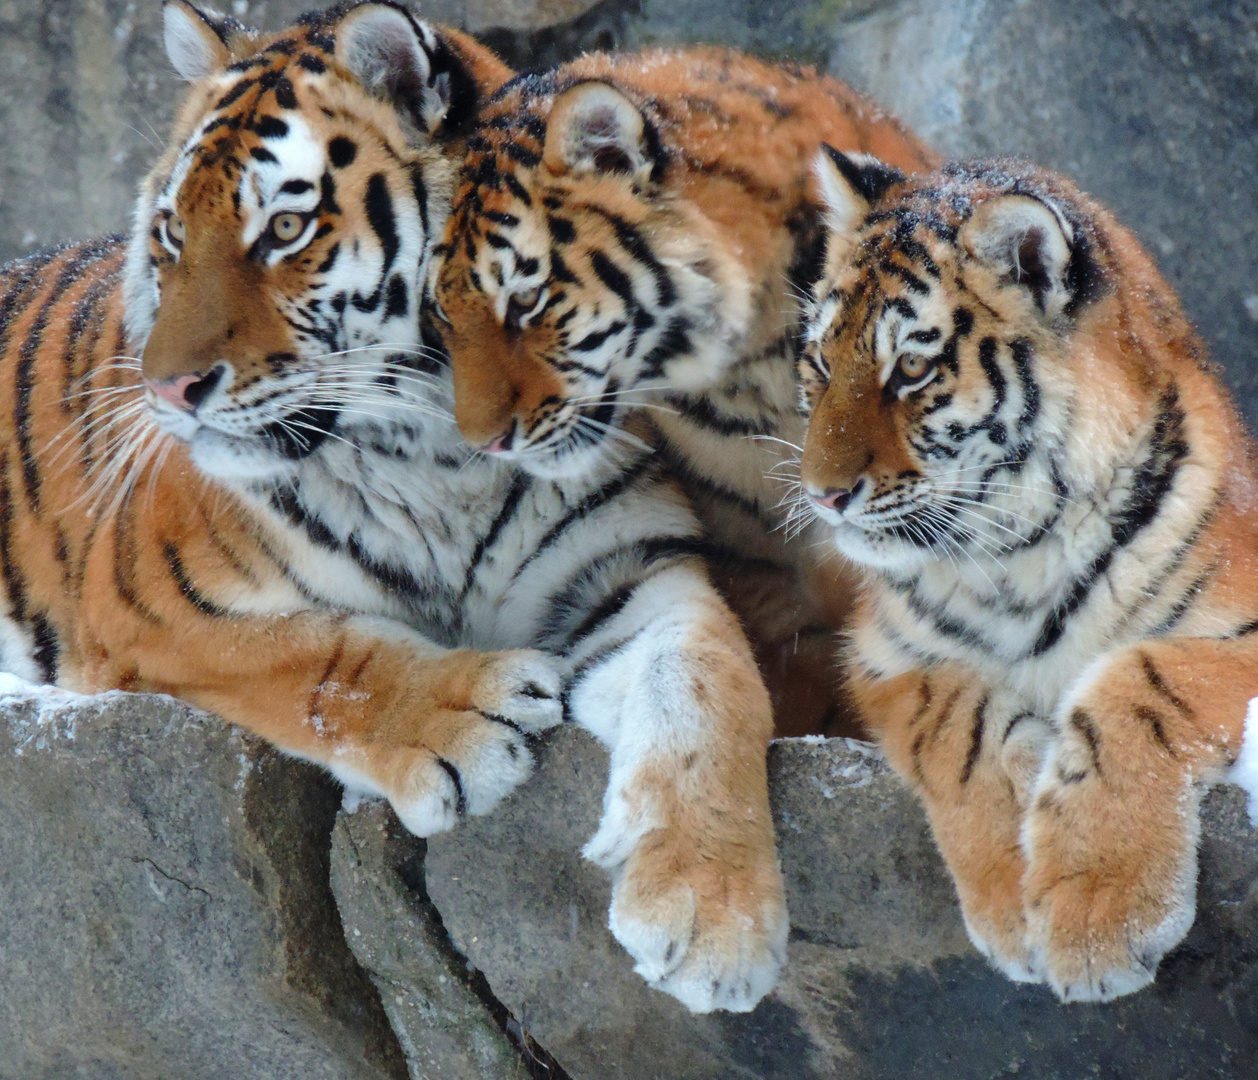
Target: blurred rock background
<point>1151,104</point>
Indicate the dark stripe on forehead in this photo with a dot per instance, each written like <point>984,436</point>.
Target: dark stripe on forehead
<point>269,127</point>
<point>379,206</point>
<point>235,93</point>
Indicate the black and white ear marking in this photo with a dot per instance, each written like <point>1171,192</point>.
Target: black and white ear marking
<point>197,42</point>
<point>1028,242</point>
<point>850,184</point>
<point>392,55</point>
<point>593,127</point>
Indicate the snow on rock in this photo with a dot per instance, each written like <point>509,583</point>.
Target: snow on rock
<point>1244,773</point>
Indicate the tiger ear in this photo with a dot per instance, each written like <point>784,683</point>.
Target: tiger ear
<point>593,127</point>
<point>1028,243</point>
<point>850,184</point>
<point>397,58</point>
<point>197,42</point>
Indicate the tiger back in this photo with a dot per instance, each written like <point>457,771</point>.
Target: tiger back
<point>630,237</point>
<point>1015,430</point>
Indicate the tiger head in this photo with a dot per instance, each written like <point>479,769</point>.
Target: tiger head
<point>280,244</point>
<point>569,275</point>
<point>959,317</point>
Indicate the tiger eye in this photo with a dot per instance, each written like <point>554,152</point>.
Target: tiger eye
<point>175,229</point>
<point>528,300</point>
<point>287,227</point>
<point>913,365</point>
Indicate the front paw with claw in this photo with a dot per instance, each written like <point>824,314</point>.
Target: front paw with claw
<point>472,755</point>
<point>707,926</point>
<point>1110,885</point>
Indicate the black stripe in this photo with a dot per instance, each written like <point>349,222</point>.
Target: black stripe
<point>703,413</point>
<point>609,491</point>
<point>1084,725</point>
<point>379,206</point>
<point>976,740</point>
<point>190,592</point>
<point>14,579</point>
<point>604,611</point>
<point>1150,485</point>
<point>456,779</point>
<point>47,647</point>
<point>24,374</point>
<point>1154,719</point>
<point>614,278</point>
<point>519,485</point>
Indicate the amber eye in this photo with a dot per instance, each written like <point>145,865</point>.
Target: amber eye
<point>287,227</point>
<point>913,366</point>
<point>521,304</point>
<point>175,230</point>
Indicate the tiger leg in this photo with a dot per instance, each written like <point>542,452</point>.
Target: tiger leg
<point>670,685</point>
<point>1111,834</point>
<point>436,731</point>
<point>971,757</point>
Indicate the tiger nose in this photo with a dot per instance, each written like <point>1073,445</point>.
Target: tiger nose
<point>503,442</point>
<point>832,498</point>
<point>186,392</point>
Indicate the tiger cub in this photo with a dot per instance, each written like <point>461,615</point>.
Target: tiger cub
<point>631,236</point>
<point>1015,431</point>
<point>229,472</point>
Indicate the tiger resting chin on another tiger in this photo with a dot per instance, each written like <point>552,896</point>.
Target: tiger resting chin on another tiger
<point>274,517</point>
<point>629,242</point>
<point>1015,430</point>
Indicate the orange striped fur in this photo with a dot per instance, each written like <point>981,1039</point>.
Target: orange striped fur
<point>634,233</point>
<point>1015,429</point>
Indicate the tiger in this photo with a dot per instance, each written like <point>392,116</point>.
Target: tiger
<point>1015,431</point>
<point>624,260</point>
<point>229,472</point>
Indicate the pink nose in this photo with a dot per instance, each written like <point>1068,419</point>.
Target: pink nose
<point>832,498</point>
<point>186,392</point>
<point>503,442</point>
<point>173,391</point>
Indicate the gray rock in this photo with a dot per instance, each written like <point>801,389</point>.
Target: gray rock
<point>167,916</point>
<point>881,980</point>
<point>446,1029</point>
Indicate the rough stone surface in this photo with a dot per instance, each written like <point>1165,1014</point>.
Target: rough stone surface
<point>881,981</point>
<point>166,910</point>
<point>446,1030</point>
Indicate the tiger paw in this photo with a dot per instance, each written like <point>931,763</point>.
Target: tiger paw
<point>1001,937</point>
<point>710,929</point>
<point>472,758</point>
<point>1111,883</point>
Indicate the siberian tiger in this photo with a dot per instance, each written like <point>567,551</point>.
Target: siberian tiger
<point>1016,432</point>
<point>638,230</point>
<point>274,516</point>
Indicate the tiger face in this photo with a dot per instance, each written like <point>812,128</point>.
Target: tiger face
<point>569,278</point>
<point>938,360</point>
<point>280,244</point>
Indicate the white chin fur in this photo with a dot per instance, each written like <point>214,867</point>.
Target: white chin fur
<point>225,458</point>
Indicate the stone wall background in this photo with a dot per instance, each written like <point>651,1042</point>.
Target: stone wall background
<point>1151,104</point>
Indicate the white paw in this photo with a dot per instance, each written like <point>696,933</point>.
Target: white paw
<point>525,691</point>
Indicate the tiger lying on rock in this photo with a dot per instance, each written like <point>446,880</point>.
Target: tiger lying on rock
<point>630,239</point>
<point>273,515</point>
<point>1015,431</point>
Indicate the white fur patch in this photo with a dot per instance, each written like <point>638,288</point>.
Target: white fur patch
<point>1244,773</point>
